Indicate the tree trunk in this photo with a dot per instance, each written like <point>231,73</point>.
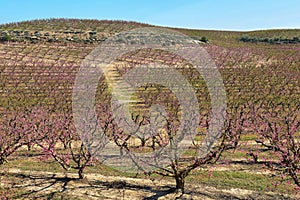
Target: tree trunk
<point>153,143</point>
<point>180,180</point>
<point>80,173</point>
<point>29,147</point>
<point>2,160</point>
<point>143,142</point>
<point>295,178</point>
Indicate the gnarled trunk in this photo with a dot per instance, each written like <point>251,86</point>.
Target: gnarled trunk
<point>80,173</point>
<point>180,180</point>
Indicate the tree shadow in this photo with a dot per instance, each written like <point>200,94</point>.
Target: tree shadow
<point>41,182</point>
<point>48,185</point>
<point>160,193</point>
<point>248,163</point>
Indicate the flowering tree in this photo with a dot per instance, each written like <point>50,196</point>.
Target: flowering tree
<point>278,126</point>
<point>18,128</point>
<point>61,142</point>
<point>12,130</point>
<point>180,167</point>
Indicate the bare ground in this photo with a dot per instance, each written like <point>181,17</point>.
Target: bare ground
<point>44,185</point>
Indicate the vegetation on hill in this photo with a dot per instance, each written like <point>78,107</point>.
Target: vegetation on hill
<point>294,40</point>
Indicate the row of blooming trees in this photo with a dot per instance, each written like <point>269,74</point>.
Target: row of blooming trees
<point>51,129</point>
<point>54,134</point>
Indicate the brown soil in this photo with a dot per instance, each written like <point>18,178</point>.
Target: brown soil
<point>42,185</point>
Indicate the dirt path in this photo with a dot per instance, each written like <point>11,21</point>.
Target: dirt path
<point>42,185</point>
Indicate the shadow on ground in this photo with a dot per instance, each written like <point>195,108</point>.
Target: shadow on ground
<point>53,186</point>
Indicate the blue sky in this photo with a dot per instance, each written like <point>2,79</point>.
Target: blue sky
<point>196,14</point>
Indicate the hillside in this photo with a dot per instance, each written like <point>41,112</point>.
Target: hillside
<point>95,31</point>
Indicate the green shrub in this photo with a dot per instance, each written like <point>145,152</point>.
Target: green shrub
<point>5,38</point>
<point>204,39</point>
